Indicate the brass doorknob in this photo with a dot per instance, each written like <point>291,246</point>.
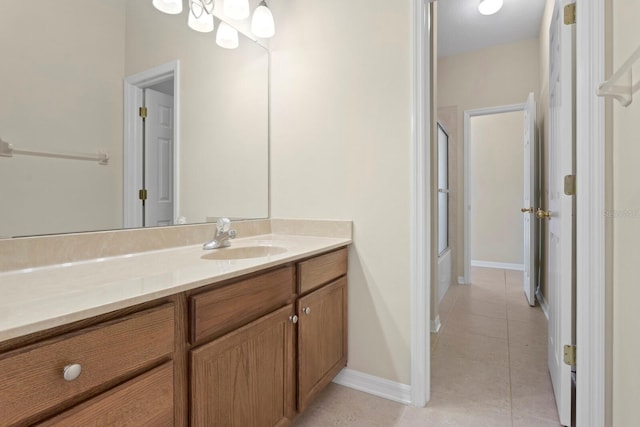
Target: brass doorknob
<point>525,210</point>
<point>543,214</point>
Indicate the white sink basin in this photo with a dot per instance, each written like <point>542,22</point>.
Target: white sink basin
<point>244,252</point>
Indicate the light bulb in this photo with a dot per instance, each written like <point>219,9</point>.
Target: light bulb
<point>227,36</point>
<point>199,19</point>
<point>236,9</point>
<point>262,24</point>
<point>489,7</point>
<point>172,7</point>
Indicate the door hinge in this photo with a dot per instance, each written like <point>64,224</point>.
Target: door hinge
<point>143,112</point>
<point>570,355</point>
<point>570,185</point>
<point>570,14</point>
<point>142,194</point>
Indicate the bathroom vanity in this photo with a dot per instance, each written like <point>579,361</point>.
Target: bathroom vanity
<point>202,341</point>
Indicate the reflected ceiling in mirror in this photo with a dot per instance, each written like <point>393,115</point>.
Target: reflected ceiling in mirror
<point>65,64</point>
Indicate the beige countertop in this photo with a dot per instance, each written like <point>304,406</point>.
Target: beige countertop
<point>36,299</point>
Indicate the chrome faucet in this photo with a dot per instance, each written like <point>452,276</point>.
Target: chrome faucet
<point>223,234</point>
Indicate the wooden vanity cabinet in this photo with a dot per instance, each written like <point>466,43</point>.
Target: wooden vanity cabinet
<point>264,373</point>
<point>32,378</point>
<point>322,326</point>
<point>246,378</point>
<point>146,400</point>
<point>322,339</point>
<point>252,351</point>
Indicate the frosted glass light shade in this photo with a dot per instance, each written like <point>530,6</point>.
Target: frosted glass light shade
<point>172,7</point>
<point>227,36</point>
<point>199,19</point>
<point>262,24</point>
<point>489,7</point>
<point>236,9</point>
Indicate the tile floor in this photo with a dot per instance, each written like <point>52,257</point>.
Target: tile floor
<point>488,366</point>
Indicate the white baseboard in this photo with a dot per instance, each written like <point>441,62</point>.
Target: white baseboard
<point>543,304</point>
<point>501,265</point>
<point>461,280</point>
<point>376,386</point>
<point>436,325</point>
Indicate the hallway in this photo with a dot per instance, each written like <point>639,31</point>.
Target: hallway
<point>488,366</point>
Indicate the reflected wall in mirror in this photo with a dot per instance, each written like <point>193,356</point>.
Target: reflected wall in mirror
<point>64,69</point>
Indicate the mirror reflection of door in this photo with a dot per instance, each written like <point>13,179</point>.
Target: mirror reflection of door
<point>443,190</point>
<point>158,155</point>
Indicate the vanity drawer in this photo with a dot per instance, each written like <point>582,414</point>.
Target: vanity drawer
<point>322,269</point>
<point>146,400</point>
<point>31,379</point>
<point>221,310</point>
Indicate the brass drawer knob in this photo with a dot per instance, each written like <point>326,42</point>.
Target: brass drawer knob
<point>71,372</point>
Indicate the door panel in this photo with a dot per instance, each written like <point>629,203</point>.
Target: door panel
<point>158,168</point>
<point>560,229</point>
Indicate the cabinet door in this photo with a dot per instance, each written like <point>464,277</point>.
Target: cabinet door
<point>246,378</point>
<point>322,339</point>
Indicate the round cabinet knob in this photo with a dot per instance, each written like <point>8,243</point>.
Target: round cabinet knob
<point>71,372</point>
<point>306,310</point>
<point>293,319</point>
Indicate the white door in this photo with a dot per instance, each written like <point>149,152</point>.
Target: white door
<point>530,200</point>
<point>560,221</point>
<point>158,159</point>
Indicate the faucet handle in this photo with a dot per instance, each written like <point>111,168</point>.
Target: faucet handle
<point>232,234</point>
<point>223,224</point>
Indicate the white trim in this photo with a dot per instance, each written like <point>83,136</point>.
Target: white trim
<point>591,295</point>
<point>377,386</point>
<point>467,175</point>
<point>543,303</point>
<point>461,281</point>
<point>419,391</point>
<point>436,325</point>
<point>500,265</point>
<point>132,150</point>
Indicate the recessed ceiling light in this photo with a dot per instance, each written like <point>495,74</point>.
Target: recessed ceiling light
<point>489,7</point>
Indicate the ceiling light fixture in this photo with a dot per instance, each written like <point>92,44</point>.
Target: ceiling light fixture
<point>227,36</point>
<point>262,24</point>
<point>236,9</point>
<point>172,7</point>
<point>200,17</point>
<point>489,7</point>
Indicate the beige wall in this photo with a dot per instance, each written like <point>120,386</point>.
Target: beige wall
<point>496,162</point>
<point>52,107</point>
<point>626,228</point>
<point>491,77</point>
<point>340,148</point>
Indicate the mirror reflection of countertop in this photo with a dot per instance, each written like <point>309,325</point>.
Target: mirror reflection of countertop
<point>36,299</point>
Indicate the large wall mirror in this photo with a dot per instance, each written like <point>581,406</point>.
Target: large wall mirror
<point>73,73</point>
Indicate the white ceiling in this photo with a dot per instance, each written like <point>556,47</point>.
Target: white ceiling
<point>461,28</point>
